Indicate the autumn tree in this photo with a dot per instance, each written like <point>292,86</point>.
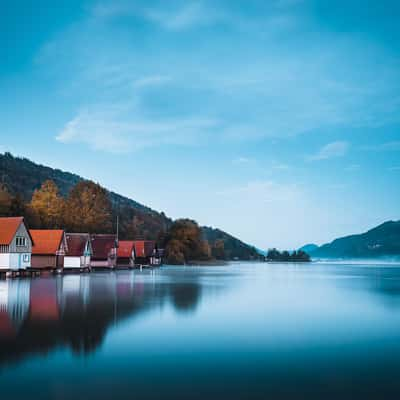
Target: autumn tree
<point>48,205</point>
<point>88,208</point>
<point>185,243</point>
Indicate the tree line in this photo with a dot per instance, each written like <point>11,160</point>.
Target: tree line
<point>88,208</point>
<point>285,256</point>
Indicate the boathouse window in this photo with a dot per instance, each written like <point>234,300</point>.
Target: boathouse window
<point>20,241</point>
<point>3,248</point>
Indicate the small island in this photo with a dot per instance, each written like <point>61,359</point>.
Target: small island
<point>275,255</point>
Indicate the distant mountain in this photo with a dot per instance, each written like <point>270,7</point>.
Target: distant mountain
<point>22,176</point>
<point>382,241</point>
<point>309,248</point>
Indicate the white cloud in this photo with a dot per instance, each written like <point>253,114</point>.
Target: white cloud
<point>331,150</point>
<point>243,160</point>
<point>264,192</point>
<point>283,90</point>
<point>190,14</point>
<point>280,166</point>
<point>152,80</point>
<point>112,131</point>
<point>171,17</point>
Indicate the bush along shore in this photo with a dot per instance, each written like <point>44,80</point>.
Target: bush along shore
<point>275,255</point>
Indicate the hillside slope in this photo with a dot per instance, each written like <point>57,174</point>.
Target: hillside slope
<point>22,176</point>
<point>381,241</point>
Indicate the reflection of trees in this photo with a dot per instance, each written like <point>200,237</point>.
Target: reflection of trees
<point>185,296</point>
<point>77,310</point>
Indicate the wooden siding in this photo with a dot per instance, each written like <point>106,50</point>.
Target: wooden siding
<point>21,232</point>
<point>44,262</point>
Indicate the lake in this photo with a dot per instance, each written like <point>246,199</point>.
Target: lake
<point>240,331</point>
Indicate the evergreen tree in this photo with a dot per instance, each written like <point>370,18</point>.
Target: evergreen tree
<point>218,249</point>
<point>5,202</point>
<point>18,206</point>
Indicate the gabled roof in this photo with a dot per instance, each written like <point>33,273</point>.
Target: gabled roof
<point>8,228</point>
<point>102,245</point>
<point>76,243</point>
<point>144,248</point>
<point>125,248</point>
<point>139,248</point>
<point>46,242</point>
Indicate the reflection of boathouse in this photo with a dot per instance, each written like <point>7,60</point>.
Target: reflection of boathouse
<point>14,304</point>
<point>43,299</point>
<point>75,311</point>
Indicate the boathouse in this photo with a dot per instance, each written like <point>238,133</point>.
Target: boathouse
<point>146,253</point>
<point>15,244</point>
<point>104,251</point>
<point>48,250</point>
<point>126,254</point>
<point>79,251</point>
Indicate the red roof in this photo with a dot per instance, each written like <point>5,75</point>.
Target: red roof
<point>76,243</point>
<point>144,248</point>
<point>8,228</point>
<point>125,248</point>
<point>102,246</point>
<point>139,248</point>
<point>46,241</point>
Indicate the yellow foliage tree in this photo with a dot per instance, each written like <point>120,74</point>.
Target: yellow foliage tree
<point>88,208</point>
<point>48,205</point>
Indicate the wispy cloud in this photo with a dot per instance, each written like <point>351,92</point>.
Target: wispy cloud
<point>284,91</point>
<point>280,166</point>
<point>112,131</point>
<point>243,160</point>
<point>173,17</point>
<point>264,192</point>
<point>331,150</point>
<point>188,15</point>
<point>152,80</point>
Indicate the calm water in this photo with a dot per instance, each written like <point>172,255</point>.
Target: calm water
<point>232,332</point>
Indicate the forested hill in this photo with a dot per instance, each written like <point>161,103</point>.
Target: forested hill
<point>21,177</point>
<point>381,241</point>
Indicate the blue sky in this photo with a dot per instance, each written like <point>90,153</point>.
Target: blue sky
<point>277,121</point>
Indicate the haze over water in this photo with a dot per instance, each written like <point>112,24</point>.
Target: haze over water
<point>237,331</point>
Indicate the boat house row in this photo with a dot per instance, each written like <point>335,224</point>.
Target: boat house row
<point>56,250</point>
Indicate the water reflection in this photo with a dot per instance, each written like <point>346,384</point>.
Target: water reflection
<point>40,314</point>
<point>240,331</point>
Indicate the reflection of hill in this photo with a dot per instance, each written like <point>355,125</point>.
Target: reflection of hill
<point>76,311</point>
